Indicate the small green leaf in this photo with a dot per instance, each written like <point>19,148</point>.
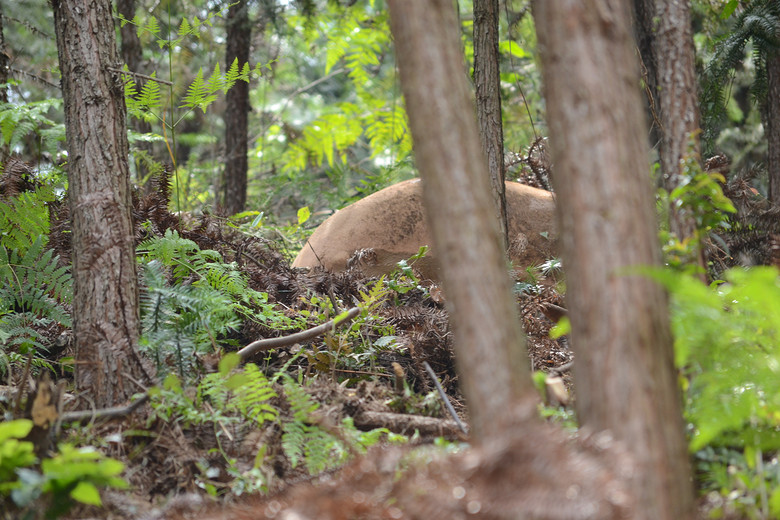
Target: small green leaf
<point>729,9</point>
<point>562,328</point>
<point>17,429</point>
<point>86,493</point>
<point>512,48</point>
<point>303,215</point>
<point>228,363</point>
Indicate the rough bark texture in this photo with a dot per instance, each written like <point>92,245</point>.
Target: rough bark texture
<point>489,343</point>
<point>105,300</point>
<point>644,31</point>
<point>487,81</point>
<point>3,79</point>
<point>624,373</point>
<point>665,39</point>
<point>132,55</point>
<point>678,100</point>
<point>237,112</point>
<point>773,125</point>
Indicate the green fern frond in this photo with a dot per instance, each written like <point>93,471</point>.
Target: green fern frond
<point>757,21</point>
<point>199,93</point>
<point>34,282</point>
<point>25,218</point>
<point>303,439</point>
<point>252,395</point>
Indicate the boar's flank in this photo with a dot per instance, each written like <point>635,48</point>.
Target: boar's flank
<point>390,225</point>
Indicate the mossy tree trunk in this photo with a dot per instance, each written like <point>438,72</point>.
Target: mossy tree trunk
<point>105,300</point>
<point>624,373</point>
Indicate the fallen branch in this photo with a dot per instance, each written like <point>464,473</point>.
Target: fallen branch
<point>103,413</point>
<point>407,424</point>
<point>299,337</point>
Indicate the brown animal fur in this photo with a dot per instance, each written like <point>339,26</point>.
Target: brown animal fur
<point>391,223</point>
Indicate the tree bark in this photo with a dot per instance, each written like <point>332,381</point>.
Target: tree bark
<point>105,300</point>
<point>489,343</point>
<point>132,54</point>
<point>773,125</point>
<point>239,33</point>
<point>4,151</point>
<point>487,81</point>
<point>624,373</point>
<point>665,40</point>
<point>644,32</point>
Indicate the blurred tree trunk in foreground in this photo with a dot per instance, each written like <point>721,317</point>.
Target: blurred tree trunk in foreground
<point>105,299</point>
<point>489,343</point>
<point>624,374</point>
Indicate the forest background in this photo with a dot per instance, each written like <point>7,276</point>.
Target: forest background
<point>326,127</point>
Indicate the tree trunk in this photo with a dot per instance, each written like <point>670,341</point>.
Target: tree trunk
<point>493,364</point>
<point>624,373</point>
<point>773,125</point>
<point>105,300</point>
<point>487,81</point>
<point>237,112</point>
<point>666,24</point>
<point>644,32</point>
<point>3,79</point>
<point>132,54</point>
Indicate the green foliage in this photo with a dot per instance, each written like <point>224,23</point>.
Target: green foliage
<point>245,391</point>
<point>740,483</point>
<point>25,218</point>
<point>356,38</point>
<point>181,320</point>
<point>221,397</point>
<point>756,21</point>
<point>18,121</point>
<point>33,289</point>
<point>14,453</point>
<point>727,347</point>
<point>303,438</point>
<point>71,475</point>
<point>699,196</point>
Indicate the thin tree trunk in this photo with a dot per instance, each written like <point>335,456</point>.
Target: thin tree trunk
<point>487,81</point>
<point>489,343</point>
<point>624,373</point>
<point>773,125</point>
<point>132,54</point>
<point>3,79</point>
<point>237,112</point>
<point>105,300</point>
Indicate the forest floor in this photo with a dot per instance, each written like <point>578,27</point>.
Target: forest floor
<point>186,471</point>
<point>184,459</point>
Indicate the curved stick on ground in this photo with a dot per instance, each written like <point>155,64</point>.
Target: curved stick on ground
<point>267,344</point>
<point>445,398</point>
